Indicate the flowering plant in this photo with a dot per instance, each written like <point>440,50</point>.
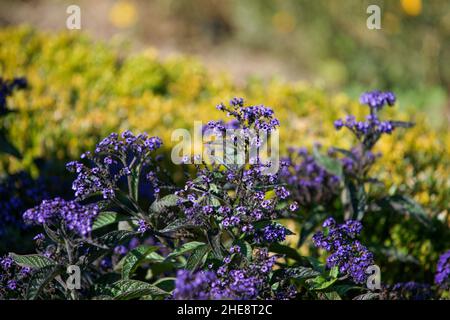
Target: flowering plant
<point>132,233</point>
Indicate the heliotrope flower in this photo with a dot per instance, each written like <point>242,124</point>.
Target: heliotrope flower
<point>114,157</point>
<point>442,277</point>
<point>346,252</point>
<point>74,216</point>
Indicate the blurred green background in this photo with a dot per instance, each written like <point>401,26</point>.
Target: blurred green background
<point>326,43</point>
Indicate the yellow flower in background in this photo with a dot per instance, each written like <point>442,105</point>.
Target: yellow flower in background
<point>283,22</point>
<point>412,7</point>
<point>123,14</point>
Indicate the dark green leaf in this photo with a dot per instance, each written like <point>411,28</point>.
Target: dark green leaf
<point>32,260</point>
<point>106,218</point>
<point>187,247</point>
<point>178,224</point>
<point>133,258</point>
<point>246,248</point>
<point>40,279</point>
<point>367,296</point>
<point>198,257</point>
<point>158,206</point>
<point>301,273</point>
<point>134,289</point>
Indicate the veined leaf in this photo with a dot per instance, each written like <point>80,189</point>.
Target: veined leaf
<point>32,260</point>
<point>187,247</point>
<point>332,295</point>
<point>133,289</point>
<point>198,257</point>
<point>301,273</point>
<point>133,258</point>
<point>177,225</point>
<point>160,205</point>
<point>367,296</point>
<point>246,248</point>
<point>106,218</point>
<point>113,238</point>
<point>321,283</point>
<point>40,279</point>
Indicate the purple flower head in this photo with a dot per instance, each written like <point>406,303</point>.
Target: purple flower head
<point>377,99</point>
<point>346,253</point>
<point>76,217</point>
<point>114,157</point>
<point>442,276</point>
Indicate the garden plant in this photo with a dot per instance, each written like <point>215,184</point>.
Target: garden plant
<point>357,210</point>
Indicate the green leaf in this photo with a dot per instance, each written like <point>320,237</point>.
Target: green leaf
<point>198,257</point>
<point>321,283</point>
<point>133,289</point>
<point>109,241</point>
<point>116,237</point>
<point>301,273</point>
<point>367,296</point>
<point>334,272</point>
<point>133,258</point>
<point>331,165</point>
<point>246,248</point>
<point>332,295</point>
<point>106,218</point>
<point>316,264</point>
<point>40,279</point>
<point>159,206</point>
<point>177,225</point>
<point>32,260</point>
<point>187,247</point>
<point>166,284</point>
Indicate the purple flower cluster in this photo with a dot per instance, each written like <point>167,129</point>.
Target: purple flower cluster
<point>362,128</point>
<point>310,183</point>
<point>377,99</point>
<point>7,87</point>
<point>346,252</point>
<point>227,282</point>
<point>372,128</point>
<point>442,277</point>
<point>12,278</point>
<point>259,116</point>
<point>75,217</point>
<point>114,157</point>
<point>194,286</point>
<point>273,232</point>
